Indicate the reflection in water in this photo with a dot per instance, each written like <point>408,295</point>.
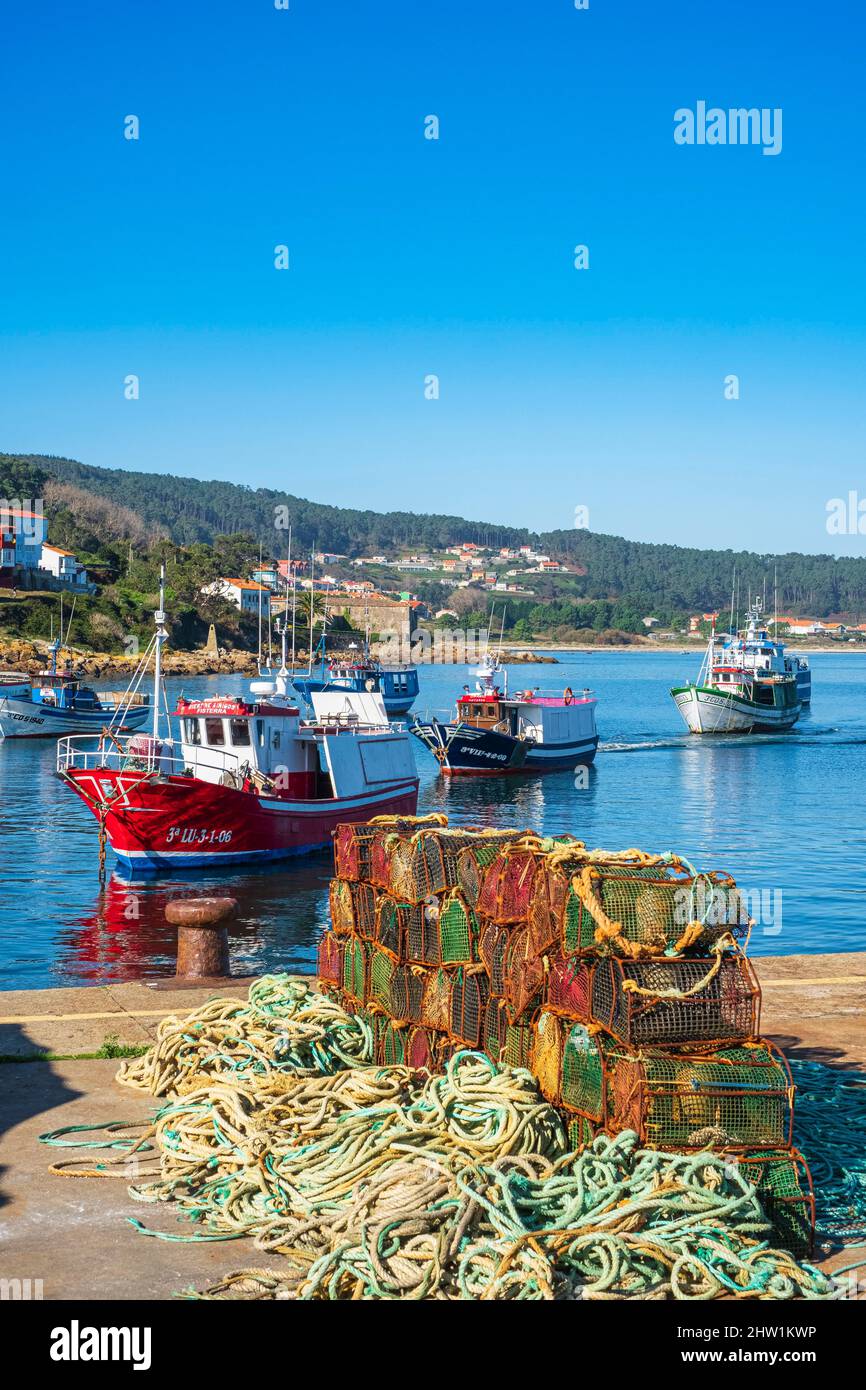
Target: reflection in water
<point>279,917</point>
<point>783,814</point>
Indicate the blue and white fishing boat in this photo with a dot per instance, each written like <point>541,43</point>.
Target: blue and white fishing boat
<point>397,684</point>
<point>493,732</point>
<point>53,703</point>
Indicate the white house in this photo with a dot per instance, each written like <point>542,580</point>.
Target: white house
<point>245,594</point>
<point>62,564</point>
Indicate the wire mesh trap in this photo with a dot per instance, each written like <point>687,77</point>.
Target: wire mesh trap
<point>726,1097</point>
<point>661,1002</point>
<point>329,958</point>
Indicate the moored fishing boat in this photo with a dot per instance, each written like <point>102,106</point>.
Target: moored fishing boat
<point>248,779</point>
<point>494,732</point>
<point>54,703</point>
<point>738,690</point>
<point>396,683</point>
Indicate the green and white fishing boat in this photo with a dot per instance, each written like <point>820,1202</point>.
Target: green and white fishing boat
<point>730,697</point>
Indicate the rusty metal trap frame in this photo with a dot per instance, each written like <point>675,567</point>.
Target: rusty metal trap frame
<point>458,929</point>
<point>519,1038</point>
<point>492,950</point>
<point>523,974</point>
<point>353,908</point>
<point>353,841</point>
<point>494,1031</point>
<point>649,911</point>
<point>436,999</point>
<point>714,999</point>
<point>381,977</point>
<point>426,1050</point>
<point>732,1097</point>
<point>568,988</point>
<point>406,994</point>
<point>356,969</point>
<point>425,864</point>
<point>507,888</point>
<point>783,1181</point>
<point>469,994</point>
<point>474,861</point>
<point>329,958</point>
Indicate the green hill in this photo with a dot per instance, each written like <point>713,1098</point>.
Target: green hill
<point>142,507</point>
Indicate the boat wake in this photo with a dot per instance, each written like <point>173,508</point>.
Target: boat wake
<point>800,737</point>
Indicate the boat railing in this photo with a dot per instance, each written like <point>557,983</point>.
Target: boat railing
<point>76,752</point>
<point>346,724</point>
<point>124,699</point>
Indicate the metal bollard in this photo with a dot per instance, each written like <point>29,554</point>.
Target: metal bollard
<point>202,936</point>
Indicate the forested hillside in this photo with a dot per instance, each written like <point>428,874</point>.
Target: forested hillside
<point>142,507</point>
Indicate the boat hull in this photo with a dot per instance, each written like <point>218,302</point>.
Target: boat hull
<point>463,750</point>
<point>163,824</point>
<point>706,710</point>
<point>20,718</point>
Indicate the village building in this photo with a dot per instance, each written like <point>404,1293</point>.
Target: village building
<point>63,565</point>
<point>245,594</point>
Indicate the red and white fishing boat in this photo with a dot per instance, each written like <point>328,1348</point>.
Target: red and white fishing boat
<point>247,780</point>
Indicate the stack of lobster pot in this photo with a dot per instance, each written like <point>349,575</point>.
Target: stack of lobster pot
<point>403,947</point>
<point>618,979</point>
<point>645,1009</point>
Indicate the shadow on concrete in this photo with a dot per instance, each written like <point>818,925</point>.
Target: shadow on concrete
<point>796,1050</point>
<point>27,1089</point>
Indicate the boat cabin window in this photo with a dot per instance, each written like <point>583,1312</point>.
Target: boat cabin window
<point>192,732</point>
<point>240,733</point>
<point>214,732</point>
<point>260,732</point>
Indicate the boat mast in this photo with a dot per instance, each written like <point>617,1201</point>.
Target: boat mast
<point>312,597</point>
<point>294,612</point>
<point>161,636</point>
<point>283,628</point>
<point>259,659</point>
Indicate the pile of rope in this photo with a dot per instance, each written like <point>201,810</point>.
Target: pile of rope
<point>379,1182</point>
<point>283,1026</point>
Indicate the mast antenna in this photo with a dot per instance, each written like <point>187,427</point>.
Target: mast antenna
<point>161,636</point>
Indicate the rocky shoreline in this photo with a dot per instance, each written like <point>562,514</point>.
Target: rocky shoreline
<point>29,658</point>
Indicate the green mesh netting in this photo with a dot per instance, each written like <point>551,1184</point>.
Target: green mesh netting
<point>518,1044</point>
<point>355,962</point>
<point>382,969</point>
<point>736,1096</point>
<point>582,1085</point>
<point>458,932</point>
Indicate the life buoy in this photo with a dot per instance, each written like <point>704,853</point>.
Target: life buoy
<point>567,695</point>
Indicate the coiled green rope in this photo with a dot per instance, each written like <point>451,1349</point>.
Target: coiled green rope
<point>376,1182</point>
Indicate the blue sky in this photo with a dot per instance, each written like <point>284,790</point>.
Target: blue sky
<point>558,387</point>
